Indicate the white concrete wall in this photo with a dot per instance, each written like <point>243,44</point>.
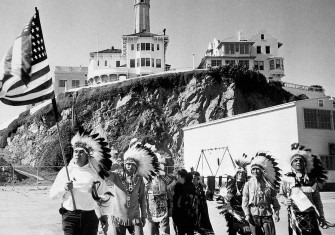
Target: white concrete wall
<point>316,139</point>
<point>267,129</point>
<point>69,73</point>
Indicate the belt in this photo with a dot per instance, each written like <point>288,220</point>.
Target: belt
<point>259,206</point>
<point>62,211</point>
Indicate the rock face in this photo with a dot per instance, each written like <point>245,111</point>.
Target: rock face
<point>153,109</point>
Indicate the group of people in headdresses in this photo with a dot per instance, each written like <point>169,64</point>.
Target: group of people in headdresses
<point>251,204</point>
<point>141,193</point>
<point>86,199</point>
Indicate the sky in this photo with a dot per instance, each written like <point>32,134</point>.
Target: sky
<point>73,29</point>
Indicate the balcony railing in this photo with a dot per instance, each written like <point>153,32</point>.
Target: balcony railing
<point>303,87</point>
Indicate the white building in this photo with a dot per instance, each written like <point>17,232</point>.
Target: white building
<point>310,122</point>
<point>68,77</point>
<point>260,52</point>
<point>142,53</point>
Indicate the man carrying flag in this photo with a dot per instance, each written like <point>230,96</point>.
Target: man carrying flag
<point>25,76</point>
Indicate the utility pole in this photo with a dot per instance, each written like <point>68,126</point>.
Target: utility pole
<point>193,60</point>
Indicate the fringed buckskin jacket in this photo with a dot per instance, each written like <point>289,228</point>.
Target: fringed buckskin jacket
<point>128,205</point>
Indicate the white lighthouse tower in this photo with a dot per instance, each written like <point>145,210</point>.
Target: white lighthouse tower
<point>142,17</point>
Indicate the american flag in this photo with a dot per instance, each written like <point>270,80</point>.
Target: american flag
<point>24,70</point>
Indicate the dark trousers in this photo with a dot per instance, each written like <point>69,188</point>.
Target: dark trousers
<point>307,222</point>
<point>184,230</point>
<point>264,225</point>
<point>80,223</point>
<point>118,229</point>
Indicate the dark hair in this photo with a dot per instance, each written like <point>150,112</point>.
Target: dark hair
<point>196,174</point>
<point>183,173</point>
<point>188,177</point>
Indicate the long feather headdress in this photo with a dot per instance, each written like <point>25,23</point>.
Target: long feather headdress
<point>269,166</point>
<point>98,150</point>
<point>145,159</point>
<point>314,166</point>
<point>242,163</point>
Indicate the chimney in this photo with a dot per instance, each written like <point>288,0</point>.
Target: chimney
<point>112,47</point>
<point>241,36</point>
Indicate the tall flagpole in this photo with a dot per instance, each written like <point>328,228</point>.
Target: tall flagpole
<point>60,143</point>
<point>54,106</point>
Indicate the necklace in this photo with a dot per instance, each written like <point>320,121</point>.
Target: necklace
<point>129,183</point>
<point>239,189</point>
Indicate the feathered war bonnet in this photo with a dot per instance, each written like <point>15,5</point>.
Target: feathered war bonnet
<point>314,167</point>
<point>268,165</point>
<point>143,157</point>
<point>96,148</point>
<point>241,164</point>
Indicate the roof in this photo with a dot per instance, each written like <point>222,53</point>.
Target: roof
<point>143,34</point>
<point>110,50</point>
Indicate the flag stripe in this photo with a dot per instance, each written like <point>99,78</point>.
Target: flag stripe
<point>32,85</point>
<point>34,76</point>
<point>31,101</point>
<point>40,87</point>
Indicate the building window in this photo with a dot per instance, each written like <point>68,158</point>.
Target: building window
<point>157,47</point>
<point>138,62</point>
<point>132,47</point>
<point>277,63</point>
<point>132,63</point>
<point>317,119</point>
<point>331,149</point>
<point>328,161</point>
<point>229,48</point>
<point>98,62</point>
<point>244,63</point>
<point>259,65</point>
<point>86,83</point>
<point>75,83</point>
<point>142,62</point>
<point>105,62</point>
<point>259,50</point>
<point>158,63</point>
<point>117,63</point>
<point>267,49</point>
<point>152,62</point>
<point>231,62</point>
<point>244,49</point>
<point>62,83</point>
<point>262,36</point>
<point>320,103</point>
<point>272,64</point>
<point>138,46</point>
<point>147,62</point>
<point>142,46</point>
<point>216,63</point>
<point>152,47</point>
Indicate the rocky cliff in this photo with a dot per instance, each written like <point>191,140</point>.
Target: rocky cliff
<point>154,109</point>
